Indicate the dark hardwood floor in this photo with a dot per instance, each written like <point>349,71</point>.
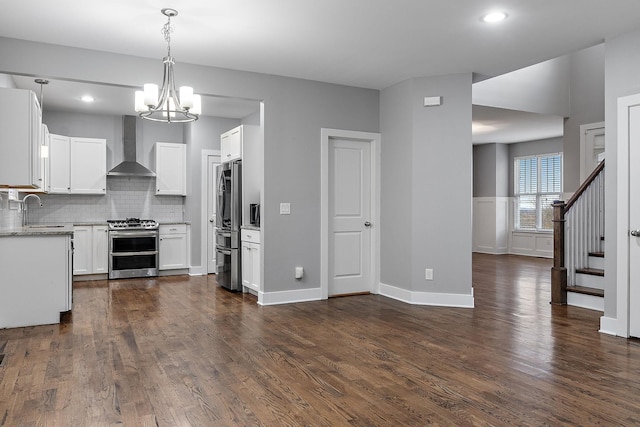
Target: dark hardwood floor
<point>181,351</point>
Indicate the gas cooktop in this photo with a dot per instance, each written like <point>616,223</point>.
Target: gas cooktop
<point>132,223</point>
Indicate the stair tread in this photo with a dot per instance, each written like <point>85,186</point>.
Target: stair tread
<point>597,254</point>
<point>590,271</point>
<point>586,290</point>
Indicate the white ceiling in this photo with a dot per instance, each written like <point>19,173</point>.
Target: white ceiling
<point>364,43</point>
<point>509,126</point>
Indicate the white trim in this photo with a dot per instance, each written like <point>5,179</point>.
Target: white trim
<point>196,271</point>
<point>203,209</point>
<point>288,297</point>
<point>591,302</point>
<point>374,139</point>
<point>622,213</point>
<point>491,226</point>
<point>427,298</point>
<point>583,146</point>
<point>608,325</point>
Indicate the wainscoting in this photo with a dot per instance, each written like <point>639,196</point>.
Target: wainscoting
<point>531,244</point>
<point>493,231</point>
<point>491,224</point>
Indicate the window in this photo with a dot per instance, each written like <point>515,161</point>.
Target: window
<point>538,182</point>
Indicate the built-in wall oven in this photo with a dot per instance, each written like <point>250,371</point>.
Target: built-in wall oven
<point>133,248</point>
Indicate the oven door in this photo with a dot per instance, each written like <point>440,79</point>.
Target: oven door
<point>133,253</point>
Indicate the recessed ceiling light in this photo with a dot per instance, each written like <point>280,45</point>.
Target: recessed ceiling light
<point>494,17</point>
<point>87,98</point>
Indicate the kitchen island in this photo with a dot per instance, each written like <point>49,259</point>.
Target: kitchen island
<point>36,273</point>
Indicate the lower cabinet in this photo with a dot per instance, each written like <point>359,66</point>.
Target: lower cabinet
<point>91,250</point>
<point>36,279</point>
<point>173,247</point>
<point>250,246</point>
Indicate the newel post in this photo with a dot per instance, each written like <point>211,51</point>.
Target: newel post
<point>558,271</point>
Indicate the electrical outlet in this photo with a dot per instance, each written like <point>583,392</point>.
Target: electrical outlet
<point>428,274</point>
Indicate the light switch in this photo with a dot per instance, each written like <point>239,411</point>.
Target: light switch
<point>285,208</point>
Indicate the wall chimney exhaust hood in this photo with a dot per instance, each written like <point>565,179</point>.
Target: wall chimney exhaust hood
<point>129,166</point>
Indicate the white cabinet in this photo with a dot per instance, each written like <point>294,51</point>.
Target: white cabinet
<point>91,250</point>
<point>36,279</point>
<point>77,165</point>
<point>88,174</point>
<point>231,144</point>
<point>44,158</point>
<point>82,250</point>
<point>100,252</point>
<point>59,165</point>
<point>173,248</point>
<point>20,139</point>
<point>171,169</point>
<point>250,247</point>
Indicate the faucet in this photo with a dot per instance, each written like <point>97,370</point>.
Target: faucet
<point>25,217</point>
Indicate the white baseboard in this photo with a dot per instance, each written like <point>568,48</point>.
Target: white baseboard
<point>196,271</point>
<point>608,325</point>
<point>288,297</point>
<point>591,302</point>
<point>491,251</point>
<point>427,298</point>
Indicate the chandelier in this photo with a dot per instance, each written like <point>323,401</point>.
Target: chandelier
<point>171,106</point>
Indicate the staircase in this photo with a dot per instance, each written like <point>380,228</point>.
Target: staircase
<point>578,273</point>
<point>588,290</point>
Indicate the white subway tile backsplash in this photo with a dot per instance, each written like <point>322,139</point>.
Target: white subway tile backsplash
<point>126,197</point>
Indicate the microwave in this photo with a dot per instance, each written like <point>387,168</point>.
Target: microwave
<point>254,214</point>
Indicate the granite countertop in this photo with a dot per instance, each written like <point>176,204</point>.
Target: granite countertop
<point>39,230</point>
<point>173,222</point>
<point>250,227</point>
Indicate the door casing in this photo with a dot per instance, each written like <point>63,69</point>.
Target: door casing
<point>204,242</point>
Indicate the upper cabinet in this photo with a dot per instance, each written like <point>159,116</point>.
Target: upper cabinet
<point>20,139</point>
<point>77,165</point>
<point>231,145</point>
<point>88,166</point>
<point>171,169</point>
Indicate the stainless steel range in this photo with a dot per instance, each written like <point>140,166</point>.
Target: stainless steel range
<point>133,248</point>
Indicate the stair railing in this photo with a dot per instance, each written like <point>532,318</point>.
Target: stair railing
<point>578,229</point>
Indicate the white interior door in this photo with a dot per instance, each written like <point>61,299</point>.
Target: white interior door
<point>349,205</point>
<point>634,222</point>
<point>592,149</point>
<point>212,162</point>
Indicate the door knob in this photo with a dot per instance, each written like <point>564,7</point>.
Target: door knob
<point>210,219</point>
<point>635,233</point>
<point>367,224</point>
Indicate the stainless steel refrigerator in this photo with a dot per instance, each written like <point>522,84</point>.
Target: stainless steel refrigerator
<point>229,220</point>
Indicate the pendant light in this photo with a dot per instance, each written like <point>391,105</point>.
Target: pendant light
<point>171,106</point>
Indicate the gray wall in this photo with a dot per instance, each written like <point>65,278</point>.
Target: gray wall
<point>427,185</point>
<point>295,111</point>
<point>622,62</point>
<point>203,134</point>
<point>587,106</point>
<point>396,211</point>
<point>531,148</point>
<point>491,170</point>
